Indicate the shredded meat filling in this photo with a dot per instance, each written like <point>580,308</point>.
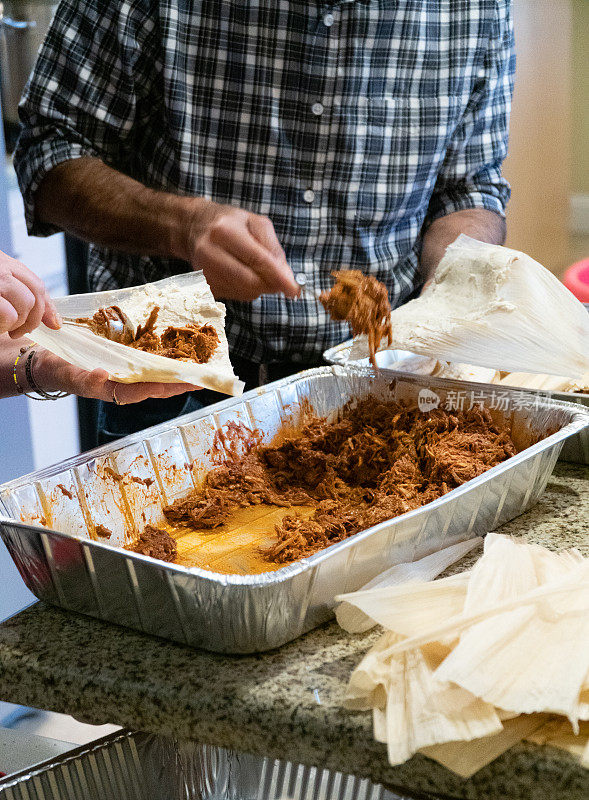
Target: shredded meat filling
<point>363,302</point>
<point>378,460</point>
<point>102,531</point>
<point>184,343</point>
<point>101,323</point>
<point>148,328</point>
<point>190,342</point>
<point>157,543</point>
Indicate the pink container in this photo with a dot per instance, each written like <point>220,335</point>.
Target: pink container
<point>576,279</point>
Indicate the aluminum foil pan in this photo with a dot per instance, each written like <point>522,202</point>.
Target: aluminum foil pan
<point>140,766</point>
<point>249,613</point>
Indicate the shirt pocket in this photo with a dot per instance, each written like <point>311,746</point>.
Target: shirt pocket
<point>389,152</point>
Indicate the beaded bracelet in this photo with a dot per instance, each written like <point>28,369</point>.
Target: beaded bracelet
<point>21,353</point>
<point>33,387</point>
<point>43,395</point>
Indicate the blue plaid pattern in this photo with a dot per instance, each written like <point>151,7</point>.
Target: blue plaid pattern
<point>352,125</point>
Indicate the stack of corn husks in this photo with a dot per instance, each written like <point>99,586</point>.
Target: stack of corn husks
<point>485,656</point>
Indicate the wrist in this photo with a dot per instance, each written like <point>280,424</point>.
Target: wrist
<point>21,382</point>
<point>187,222</point>
<point>43,373</point>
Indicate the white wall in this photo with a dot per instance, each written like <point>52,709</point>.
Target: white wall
<point>53,426</point>
<point>32,434</point>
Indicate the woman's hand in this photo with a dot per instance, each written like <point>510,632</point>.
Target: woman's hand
<point>24,302</point>
<point>52,373</point>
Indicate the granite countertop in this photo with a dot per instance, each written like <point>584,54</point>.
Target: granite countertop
<point>284,704</point>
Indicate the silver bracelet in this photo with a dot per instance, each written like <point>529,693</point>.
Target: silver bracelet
<point>42,394</point>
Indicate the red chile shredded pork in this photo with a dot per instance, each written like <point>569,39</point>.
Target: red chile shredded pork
<point>363,302</point>
<point>185,343</point>
<point>156,543</point>
<point>378,460</point>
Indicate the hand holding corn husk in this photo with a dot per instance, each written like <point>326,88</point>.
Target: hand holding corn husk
<point>463,657</point>
<point>497,308</point>
<point>180,300</point>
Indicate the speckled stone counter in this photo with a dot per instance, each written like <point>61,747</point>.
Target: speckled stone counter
<point>283,704</point>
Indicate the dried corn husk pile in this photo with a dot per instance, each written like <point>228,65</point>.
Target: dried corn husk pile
<point>482,657</point>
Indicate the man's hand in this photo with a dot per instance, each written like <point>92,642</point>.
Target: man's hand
<point>54,374</point>
<point>481,224</point>
<point>238,252</point>
<point>24,302</point>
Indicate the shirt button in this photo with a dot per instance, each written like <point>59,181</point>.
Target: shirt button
<point>328,20</point>
<point>317,109</point>
<point>309,196</point>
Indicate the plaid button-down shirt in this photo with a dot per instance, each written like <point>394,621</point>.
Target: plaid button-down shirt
<point>352,125</point>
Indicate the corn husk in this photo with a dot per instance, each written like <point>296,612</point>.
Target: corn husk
<point>569,596</point>
<point>513,672</point>
<point>422,365</point>
<point>411,606</point>
<point>510,646</point>
<point>402,690</point>
<point>413,721</point>
<point>519,661</point>
<point>505,571</point>
<point>494,307</point>
<point>546,383</point>
<point>84,349</point>
<point>510,567</point>
<point>467,758</point>
<point>352,619</point>
<point>370,680</point>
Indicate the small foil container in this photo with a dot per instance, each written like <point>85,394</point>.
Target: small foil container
<point>65,564</point>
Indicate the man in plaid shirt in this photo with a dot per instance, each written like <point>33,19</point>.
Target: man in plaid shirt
<point>254,140</point>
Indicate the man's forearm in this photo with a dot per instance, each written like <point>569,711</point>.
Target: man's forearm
<point>99,204</point>
<point>238,251</point>
<point>477,222</point>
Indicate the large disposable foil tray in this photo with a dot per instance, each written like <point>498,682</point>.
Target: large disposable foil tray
<point>249,613</point>
<point>141,766</point>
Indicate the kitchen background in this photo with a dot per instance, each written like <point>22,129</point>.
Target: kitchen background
<point>548,167</point>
